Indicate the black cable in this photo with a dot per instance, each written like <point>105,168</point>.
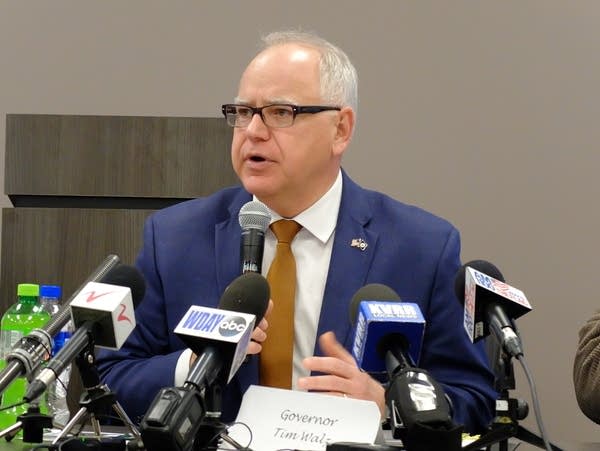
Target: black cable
<point>239,423</point>
<point>17,404</point>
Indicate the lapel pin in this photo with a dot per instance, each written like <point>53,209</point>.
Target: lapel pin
<point>359,243</point>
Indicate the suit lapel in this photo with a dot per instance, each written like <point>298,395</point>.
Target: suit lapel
<point>350,262</point>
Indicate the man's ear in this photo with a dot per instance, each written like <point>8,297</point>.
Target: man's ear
<point>344,130</point>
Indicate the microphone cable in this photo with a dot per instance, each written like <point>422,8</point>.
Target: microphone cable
<point>536,403</point>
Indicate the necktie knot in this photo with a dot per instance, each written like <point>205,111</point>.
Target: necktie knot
<point>285,230</point>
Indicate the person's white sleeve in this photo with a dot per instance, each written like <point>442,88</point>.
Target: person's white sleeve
<point>183,368</point>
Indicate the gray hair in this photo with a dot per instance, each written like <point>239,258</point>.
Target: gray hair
<point>339,80</point>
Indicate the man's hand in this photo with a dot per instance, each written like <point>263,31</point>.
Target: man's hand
<point>343,377</point>
<point>259,334</point>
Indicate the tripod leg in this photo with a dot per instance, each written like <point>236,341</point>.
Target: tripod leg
<point>126,420</point>
<point>95,425</point>
<point>72,422</point>
<point>529,437</point>
<point>11,431</point>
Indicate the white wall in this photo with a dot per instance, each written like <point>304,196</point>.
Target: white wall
<point>483,112</point>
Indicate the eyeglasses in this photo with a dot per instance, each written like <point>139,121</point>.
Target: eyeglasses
<point>276,115</point>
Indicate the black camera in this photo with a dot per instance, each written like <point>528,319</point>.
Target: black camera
<point>173,419</point>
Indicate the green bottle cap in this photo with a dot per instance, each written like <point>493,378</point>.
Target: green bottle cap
<point>28,289</point>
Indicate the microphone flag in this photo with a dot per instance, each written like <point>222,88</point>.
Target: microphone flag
<point>108,306</point>
<point>377,319</point>
<point>228,331</point>
<point>479,285</point>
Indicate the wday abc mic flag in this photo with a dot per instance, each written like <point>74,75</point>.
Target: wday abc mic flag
<point>227,330</point>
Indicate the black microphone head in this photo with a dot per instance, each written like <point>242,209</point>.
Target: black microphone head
<point>248,293</point>
<point>254,215</point>
<point>481,266</point>
<point>127,276</point>
<point>370,292</point>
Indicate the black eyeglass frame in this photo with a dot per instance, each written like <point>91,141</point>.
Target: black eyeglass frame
<point>296,110</point>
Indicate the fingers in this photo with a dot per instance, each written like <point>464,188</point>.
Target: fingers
<point>257,337</point>
<point>337,360</point>
<point>342,376</point>
<point>259,334</point>
<point>333,348</point>
<point>354,384</point>
<point>326,383</point>
<point>269,308</point>
<point>253,348</point>
<point>330,365</point>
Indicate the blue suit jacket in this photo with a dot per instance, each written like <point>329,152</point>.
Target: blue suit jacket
<point>191,253</point>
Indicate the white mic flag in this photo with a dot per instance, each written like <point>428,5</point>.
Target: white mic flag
<point>479,285</point>
<point>108,306</point>
<point>226,330</point>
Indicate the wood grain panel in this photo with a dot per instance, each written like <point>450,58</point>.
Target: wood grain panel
<point>63,246</point>
<point>131,156</point>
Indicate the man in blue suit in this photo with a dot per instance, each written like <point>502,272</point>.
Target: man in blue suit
<point>293,118</point>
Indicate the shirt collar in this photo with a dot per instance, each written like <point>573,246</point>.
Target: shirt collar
<point>320,218</point>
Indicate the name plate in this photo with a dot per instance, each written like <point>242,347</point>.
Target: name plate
<point>285,419</point>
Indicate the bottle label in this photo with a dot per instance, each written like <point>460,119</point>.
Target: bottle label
<point>60,340</point>
<point>8,338</point>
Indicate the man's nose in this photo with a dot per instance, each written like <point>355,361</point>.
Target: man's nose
<point>257,127</point>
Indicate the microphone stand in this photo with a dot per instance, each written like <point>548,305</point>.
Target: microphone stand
<point>32,349</point>
<point>212,429</point>
<point>32,423</point>
<point>96,400</point>
<point>508,413</point>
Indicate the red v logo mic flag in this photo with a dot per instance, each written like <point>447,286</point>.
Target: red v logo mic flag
<point>110,306</point>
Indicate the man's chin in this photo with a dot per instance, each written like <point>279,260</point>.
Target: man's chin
<point>259,185</point>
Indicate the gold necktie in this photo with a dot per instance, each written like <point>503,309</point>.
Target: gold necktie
<point>278,349</point>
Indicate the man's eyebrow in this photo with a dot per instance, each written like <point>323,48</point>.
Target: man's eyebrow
<point>274,101</point>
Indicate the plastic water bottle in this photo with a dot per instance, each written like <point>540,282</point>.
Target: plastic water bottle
<point>56,394</point>
<point>20,319</point>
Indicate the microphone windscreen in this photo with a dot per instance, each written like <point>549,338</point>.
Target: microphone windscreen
<point>127,276</point>
<point>370,292</point>
<point>254,215</point>
<point>482,266</point>
<point>248,293</point>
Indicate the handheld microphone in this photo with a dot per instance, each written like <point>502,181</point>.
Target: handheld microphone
<point>219,337</point>
<point>386,329</point>
<point>33,349</point>
<point>490,304</point>
<point>103,315</point>
<point>254,218</point>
